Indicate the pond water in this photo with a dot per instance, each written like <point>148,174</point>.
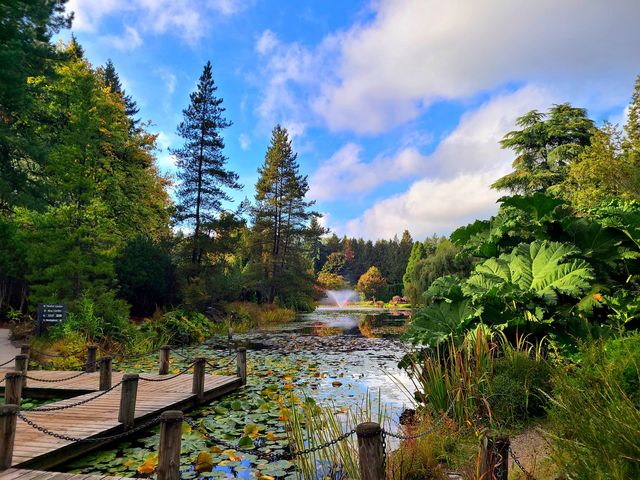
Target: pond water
<point>334,357</point>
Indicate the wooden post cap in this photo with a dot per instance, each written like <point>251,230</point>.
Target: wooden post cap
<point>6,410</point>
<point>130,377</point>
<point>165,347</point>
<point>242,349</point>
<point>368,429</point>
<point>12,375</point>
<point>171,416</point>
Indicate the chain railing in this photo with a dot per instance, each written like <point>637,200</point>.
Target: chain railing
<point>7,362</point>
<point>55,380</point>
<point>164,379</point>
<point>69,438</point>
<point>77,404</point>
<point>519,464</point>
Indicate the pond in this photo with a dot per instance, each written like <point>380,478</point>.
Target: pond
<point>331,356</point>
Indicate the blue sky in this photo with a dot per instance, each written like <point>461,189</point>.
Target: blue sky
<point>395,106</point>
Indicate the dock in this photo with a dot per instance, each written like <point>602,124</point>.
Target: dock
<point>145,396</point>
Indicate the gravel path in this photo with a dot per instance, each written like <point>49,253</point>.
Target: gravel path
<point>7,350</point>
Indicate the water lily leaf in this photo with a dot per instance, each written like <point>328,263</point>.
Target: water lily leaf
<point>336,383</point>
<point>204,462</point>
<point>246,443</point>
<point>149,465</point>
<point>251,430</point>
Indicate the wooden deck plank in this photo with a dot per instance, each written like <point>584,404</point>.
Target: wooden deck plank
<point>23,474</point>
<point>97,418</point>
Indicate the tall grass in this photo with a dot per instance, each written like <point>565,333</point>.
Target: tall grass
<point>595,413</point>
<point>311,426</point>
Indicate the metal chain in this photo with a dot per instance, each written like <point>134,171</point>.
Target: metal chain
<point>45,380</point>
<point>220,367</point>
<point>338,439</point>
<point>7,362</point>
<point>182,372</point>
<point>82,402</point>
<point>520,466</point>
<point>69,438</point>
<point>431,429</point>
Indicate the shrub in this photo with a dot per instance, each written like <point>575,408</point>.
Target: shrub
<point>593,413</point>
<point>518,388</point>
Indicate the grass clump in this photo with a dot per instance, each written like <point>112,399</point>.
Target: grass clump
<point>595,413</point>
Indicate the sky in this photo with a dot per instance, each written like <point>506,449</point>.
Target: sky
<point>395,107</point>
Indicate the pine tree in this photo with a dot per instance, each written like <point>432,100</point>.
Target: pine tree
<point>112,80</point>
<point>281,217</point>
<point>418,252</point>
<point>201,162</point>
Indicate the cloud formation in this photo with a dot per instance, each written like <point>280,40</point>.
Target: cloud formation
<point>454,185</point>
<point>188,19</point>
<point>416,52</point>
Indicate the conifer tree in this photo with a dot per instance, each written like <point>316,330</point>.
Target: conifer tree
<point>282,216</point>
<point>112,80</point>
<point>201,163</point>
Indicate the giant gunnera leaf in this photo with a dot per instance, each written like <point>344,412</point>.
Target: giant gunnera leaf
<point>542,268</point>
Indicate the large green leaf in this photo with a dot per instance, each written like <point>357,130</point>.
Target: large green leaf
<point>434,324</point>
<point>542,268</point>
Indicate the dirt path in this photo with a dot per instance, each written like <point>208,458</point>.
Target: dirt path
<point>531,449</point>
<point>7,350</point>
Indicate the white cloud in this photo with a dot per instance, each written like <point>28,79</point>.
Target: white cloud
<point>454,185</point>
<point>169,79</point>
<point>245,141</point>
<point>267,42</point>
<point>386,71</point>
<point>345,171</point>
<point>416,52</point>
<point>129,40</point>
<point>189,20</point>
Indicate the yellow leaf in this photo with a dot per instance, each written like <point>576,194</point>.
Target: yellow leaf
<point>204,462</point>
<point>287,378</point>
<point>288,386</point>
<point>149,465</point>
<point>266,477</point>
<point>215,449</point>
<point>336,383</point>
<point>251,430</point>
<point>284,414</point>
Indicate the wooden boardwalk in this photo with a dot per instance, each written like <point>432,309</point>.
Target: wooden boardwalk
<point>99,417</point>
<point>21,474</point>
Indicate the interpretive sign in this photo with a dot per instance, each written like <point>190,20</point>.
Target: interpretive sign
<point>50,313</point>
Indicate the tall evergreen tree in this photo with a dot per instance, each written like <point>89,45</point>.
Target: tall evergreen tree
<point>201,163</point>
<point>281,218</point>
<point>26,28</point>
<point>112,80</point>
<point>545,146</point>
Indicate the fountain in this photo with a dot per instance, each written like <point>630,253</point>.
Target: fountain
<point>341,298</point>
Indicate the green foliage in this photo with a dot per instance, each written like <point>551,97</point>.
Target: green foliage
<point>335,264</point>
<point>372,284</point>
<point>519,387</point>
<point>201,163</point>
<point>595,412</point>
<point>545,146</point>
<point>146,275</point>
<point>281,234</point>
<point>332,281</point>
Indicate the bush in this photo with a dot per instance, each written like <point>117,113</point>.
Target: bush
<point>595,413</point>
<point>518,388</point>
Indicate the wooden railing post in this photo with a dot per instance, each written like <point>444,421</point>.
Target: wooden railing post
<point>198,377</point>
<point>8,421</point>
<point>106,373</point>
<point>242,365</point>
<point>128,395</point>
<point>170,439</point>
<point>92,351</point>
<point>165,353</point>
<point>371,451</point>
<point>494,457</point>
<point>13,388</point>
<point>25,349</point>
<point>22,365</point>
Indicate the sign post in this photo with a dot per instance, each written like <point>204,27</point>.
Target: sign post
<point>49,313</point>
